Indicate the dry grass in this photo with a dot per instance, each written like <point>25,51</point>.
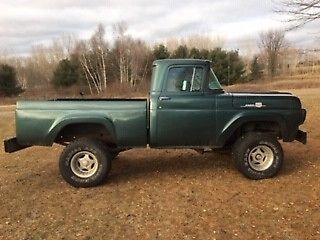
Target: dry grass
<point>162,194</point>
<point>301,81</point>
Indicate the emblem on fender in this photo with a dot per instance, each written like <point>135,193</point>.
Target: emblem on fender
<point>254,105</point>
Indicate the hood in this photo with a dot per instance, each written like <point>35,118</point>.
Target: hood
<point>265,100</point>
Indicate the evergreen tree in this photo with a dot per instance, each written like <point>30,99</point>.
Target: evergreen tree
<point>228,66</point>
<point>204,54</point>
<point>195,53</point>
<point>181,52</point>
<point>255,69</point>
<point>8,81</point>
<point>161,52</point>
<point>66,74</point>
<point>236,67</point>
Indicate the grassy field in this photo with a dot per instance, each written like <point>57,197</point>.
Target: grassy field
<point>163,194</point>
<point>297,81</point>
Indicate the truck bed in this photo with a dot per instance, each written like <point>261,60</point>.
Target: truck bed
<point>39,122</point>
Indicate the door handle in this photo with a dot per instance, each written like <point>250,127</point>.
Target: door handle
<point>164,98</point>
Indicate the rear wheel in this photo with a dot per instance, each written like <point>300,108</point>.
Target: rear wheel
<point>85,163</point>
<point>258,155</point>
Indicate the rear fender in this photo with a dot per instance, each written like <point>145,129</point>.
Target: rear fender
<point>59,124</point>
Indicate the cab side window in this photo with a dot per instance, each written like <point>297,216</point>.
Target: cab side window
<point>184,79</point>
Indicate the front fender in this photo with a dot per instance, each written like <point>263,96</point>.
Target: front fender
<point>243,118</point>
<point>60,123</point>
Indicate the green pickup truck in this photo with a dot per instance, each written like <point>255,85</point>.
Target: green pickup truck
<point>187,108</point>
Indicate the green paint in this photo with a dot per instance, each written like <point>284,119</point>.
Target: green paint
<point>202,118</point>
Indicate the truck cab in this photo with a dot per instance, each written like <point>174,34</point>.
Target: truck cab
<point>182,104</point>
<point>189,108</point>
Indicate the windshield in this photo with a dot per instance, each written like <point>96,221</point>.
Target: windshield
<point>213,81</point>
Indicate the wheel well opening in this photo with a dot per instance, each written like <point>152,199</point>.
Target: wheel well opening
<point>89,130</point>
<point>261,126</point>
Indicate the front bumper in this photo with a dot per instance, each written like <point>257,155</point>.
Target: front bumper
<point>11,145</point>
<point>301,137</point>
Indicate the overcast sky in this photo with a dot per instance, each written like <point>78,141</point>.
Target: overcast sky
<point>24,23</point>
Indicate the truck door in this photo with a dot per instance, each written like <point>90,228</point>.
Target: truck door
<point>185,114</point>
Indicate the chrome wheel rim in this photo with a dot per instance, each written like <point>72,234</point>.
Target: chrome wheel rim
<point>261,158</point>
<point>84,164</point>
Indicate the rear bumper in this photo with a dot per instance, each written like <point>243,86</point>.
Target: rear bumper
<point>12,145</point>
<point>301,137</point>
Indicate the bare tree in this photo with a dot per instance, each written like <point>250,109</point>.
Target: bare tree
<point>140,59</point>
<point>203,41</point>
<point>199,41</point>
<point>131,57</point>
<point>172,43</point>
<point>68,42</point>
<point>92,55</point>
<point>80,52</point>
<point>39,66</point>
<point>119,30</point>
<point>100,49</point>
<point>300,12</point>
<point>271,44</point>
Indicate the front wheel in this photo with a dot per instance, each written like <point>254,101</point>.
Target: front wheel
<point>258,155</point>
<point>85,163</point>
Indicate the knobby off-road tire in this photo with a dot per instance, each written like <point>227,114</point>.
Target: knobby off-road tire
<point>85,163</point>
<point>258,155</point>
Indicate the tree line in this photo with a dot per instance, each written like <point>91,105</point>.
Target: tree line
<point>97,64</point>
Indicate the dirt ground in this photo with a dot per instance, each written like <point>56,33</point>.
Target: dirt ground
<point>163,194</point>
